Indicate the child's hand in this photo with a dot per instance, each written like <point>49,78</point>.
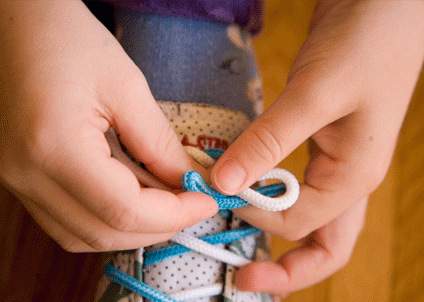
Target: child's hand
<point>64,80</point>
<point>348,92</point>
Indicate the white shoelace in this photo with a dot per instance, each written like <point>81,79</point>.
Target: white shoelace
<point>253,198</point>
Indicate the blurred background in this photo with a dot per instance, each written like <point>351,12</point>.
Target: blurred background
<point>388,262</point>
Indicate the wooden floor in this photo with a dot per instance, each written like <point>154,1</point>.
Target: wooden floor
<point>387,265</point>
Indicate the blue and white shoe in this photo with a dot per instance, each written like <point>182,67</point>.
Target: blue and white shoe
<point>186,268</point>
<point>207,73</point>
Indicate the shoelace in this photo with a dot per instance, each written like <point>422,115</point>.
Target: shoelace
<point>274,197</point>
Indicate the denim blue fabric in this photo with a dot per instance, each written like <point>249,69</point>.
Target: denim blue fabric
<point>188,60</point>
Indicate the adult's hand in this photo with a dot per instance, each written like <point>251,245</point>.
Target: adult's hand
<point>64,81</point>
<point>348,93</point>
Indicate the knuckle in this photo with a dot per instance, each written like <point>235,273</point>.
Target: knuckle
<point>166,140</point>
<point>267,147</point>
<point>342,259</point>
<point>12,178</point>
<point>307,83</point>
<point>375,179</point>
<point>165,143</point>
<point>291,231</point>
<point>134,83</point>
<point>335,258</point>
<point>120,219</point>
<point>339,256</point>
<point>178,223</point>
<point>295,235</point>
<point>39,146</point>
<point>71,246</point>
<point>182,218</point>
<point>99,243</point>
<point>361,224</point>
<point>135,79</point>
<point>175,226</point>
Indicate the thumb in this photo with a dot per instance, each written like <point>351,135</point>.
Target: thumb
<point>145,131</point>
<point>301,111</point>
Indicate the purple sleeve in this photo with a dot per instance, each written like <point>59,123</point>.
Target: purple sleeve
<point>246,13</point>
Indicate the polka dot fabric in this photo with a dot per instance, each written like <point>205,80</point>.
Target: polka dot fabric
<point>203,127</point>
<point>251,248</point>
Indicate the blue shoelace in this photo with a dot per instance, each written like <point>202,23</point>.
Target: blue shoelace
<point>193,182</point>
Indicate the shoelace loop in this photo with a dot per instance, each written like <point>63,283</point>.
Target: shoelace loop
<point>193,182</point>
<point>274,197</point>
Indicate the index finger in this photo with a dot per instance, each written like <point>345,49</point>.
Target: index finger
<point>111,191</point>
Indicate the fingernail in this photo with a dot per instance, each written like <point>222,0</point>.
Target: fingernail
<point>230,177</point>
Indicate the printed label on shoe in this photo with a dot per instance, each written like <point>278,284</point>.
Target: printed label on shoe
<point>204,126</point>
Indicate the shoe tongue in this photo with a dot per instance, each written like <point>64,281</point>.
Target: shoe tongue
<point>204,127</point>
